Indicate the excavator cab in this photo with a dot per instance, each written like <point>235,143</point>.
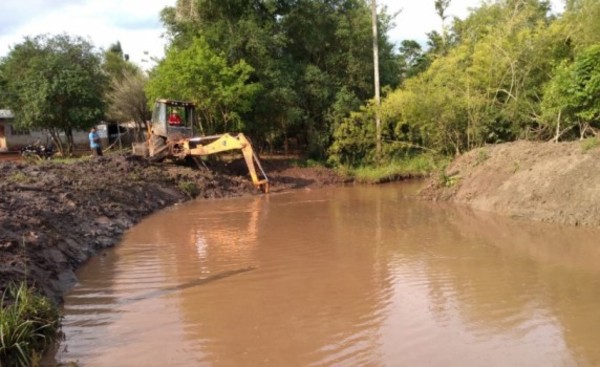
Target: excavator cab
<point>173,133</point>
<point>173,117</point>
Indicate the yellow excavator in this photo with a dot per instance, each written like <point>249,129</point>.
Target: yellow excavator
<point>172,133</point>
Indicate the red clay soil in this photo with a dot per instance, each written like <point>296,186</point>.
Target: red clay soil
<point>549,182</point>
<point>54,216</point>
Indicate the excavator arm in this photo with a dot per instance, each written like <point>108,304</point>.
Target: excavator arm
<point>206,145</point>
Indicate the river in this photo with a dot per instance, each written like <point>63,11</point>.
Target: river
<point>350,276</point>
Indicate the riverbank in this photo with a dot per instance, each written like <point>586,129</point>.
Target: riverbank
<point>55,215</point>
<point>550,182</point>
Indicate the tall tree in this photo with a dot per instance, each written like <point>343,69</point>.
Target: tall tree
<point>127,100</point>
<point>115,63</point>
<point>125,96</point>
<point>572,97</point>
<point>413,59</point>
<point>580,22</point>
<point>303,53</point>
<point>376,73</point>
<point>55,83</point>
<point>441,6</point>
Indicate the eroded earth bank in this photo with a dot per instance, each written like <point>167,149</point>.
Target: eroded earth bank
<point>551,182</point>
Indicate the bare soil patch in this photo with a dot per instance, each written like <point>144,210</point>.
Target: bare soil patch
<point>54,216</point>
<point>551,182</point>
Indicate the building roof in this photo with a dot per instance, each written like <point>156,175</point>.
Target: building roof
<point>6,114</point>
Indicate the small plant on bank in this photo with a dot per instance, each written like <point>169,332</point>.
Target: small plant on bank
<point>482,156</point>
<point>448,180</point>
<point>31,158</point>
<point>589,144</point>
<point>70,160</point>
<point>29,323</point>
<point>19,178</point>
<point>189,187</point>
<point>516,166</point>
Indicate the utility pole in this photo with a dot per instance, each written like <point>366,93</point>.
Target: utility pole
<point>376,71</point>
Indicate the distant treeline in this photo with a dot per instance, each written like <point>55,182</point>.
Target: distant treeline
<point>302,72</point>
<point>298,74</point>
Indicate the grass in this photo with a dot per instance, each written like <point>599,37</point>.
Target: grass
<point>70,160</point>
<point>29,323</point>
<point>421,165</point>
<point>19,178</point>
<point>589,144</point>
<point>307,163</point>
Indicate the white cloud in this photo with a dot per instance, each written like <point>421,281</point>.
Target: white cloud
<point>418,17</point>
<point>135,23</point>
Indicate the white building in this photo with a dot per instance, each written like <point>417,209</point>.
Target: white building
<point>13,139</point>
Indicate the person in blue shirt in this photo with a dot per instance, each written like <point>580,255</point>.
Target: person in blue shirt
<point>95,144</point>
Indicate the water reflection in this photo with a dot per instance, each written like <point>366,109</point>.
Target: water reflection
<point>347,276</point>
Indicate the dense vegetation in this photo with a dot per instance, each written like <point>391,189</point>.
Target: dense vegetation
<point>299,74</point>
<point>510,70</point>
<point>284,71</point>
<point>301,71</point>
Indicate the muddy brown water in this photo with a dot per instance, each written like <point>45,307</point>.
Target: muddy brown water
<point>353,276</point>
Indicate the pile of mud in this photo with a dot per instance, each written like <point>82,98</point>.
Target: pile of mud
<point>54,216</point>
<point>551,182</point>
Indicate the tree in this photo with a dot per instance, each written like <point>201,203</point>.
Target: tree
<point>222,93</point>
<point>125,95</point>
<point>573,95</point>
<point>414,60</point>
<point>376,73</point>
<point>116,64</point>
<point>441,6</point>
<point>580,23</point>
<point>55,83</point>
<point>127,100</point>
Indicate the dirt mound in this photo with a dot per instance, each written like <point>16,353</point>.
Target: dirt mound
<point>541,181</point>
<point>54,216</point>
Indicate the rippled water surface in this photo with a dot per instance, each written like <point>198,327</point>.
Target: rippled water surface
<point>357,276</point>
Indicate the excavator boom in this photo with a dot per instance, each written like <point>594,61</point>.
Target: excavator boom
<point>223,143</point>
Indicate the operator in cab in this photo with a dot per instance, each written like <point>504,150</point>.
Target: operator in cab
<point>174,118</point>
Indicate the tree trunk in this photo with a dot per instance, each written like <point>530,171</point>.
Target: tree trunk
<point>557,127</point>
<point>376,74</point>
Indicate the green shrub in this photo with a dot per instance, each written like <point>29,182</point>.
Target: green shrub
<point>29,323</point>
<point>189,187</point>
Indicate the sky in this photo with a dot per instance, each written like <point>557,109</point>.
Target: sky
<point>136,23</point>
